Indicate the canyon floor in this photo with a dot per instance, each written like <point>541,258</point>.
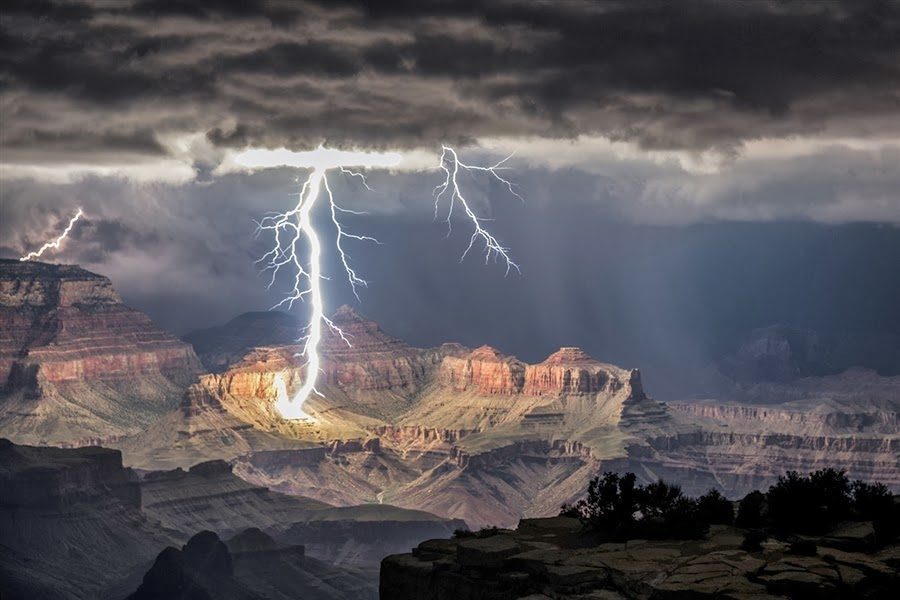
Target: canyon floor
<point>404,443</point>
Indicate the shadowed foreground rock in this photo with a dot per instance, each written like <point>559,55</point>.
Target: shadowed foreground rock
<point>551,558</point>
<point>250,566</point>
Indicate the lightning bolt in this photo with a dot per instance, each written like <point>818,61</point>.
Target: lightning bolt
<point>293,231</point>
<point>55,244</point>
<point>492,248</point>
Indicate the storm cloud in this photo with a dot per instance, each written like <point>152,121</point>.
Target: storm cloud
<point>690,75</point>
<point>661,119</point>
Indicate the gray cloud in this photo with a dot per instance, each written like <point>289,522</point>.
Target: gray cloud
<point>695,75</point>
<point>644,132</point>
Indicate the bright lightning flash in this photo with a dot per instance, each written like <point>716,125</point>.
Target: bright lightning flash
<point>293,231</point>
<point>55,244</point>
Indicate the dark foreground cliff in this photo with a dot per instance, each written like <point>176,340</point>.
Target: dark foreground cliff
<point>76,525</point>
<point>555,558</point>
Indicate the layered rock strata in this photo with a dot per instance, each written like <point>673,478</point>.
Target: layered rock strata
<point>75,362</point>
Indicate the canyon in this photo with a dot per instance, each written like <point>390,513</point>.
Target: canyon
<point>76,523</point>
<point>464,433</point>
<point>404,443</point>
<point>76,364</point>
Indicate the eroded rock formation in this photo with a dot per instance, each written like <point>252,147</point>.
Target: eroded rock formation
<point>74,523</point>
<point>75,362</point>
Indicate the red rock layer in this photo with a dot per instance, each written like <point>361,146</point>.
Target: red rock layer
<point>60,323</point>
<point>567,371</point>
<point>371,359</point>
<point>485,371</point>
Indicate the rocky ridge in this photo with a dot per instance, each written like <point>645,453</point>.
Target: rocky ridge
<point>487,438</point>
<point>74,523</point>
<point>75,362</point>
<point>420,428</point>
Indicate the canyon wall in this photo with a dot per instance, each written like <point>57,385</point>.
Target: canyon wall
<point>75,362</point>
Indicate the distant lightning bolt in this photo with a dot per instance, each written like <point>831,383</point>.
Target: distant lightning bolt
<point>55,244</point>
<point>293,231</point>
<point>492,248</point>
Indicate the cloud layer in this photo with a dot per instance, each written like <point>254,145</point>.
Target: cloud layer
<point>114,79</point>
<point>665,151</point>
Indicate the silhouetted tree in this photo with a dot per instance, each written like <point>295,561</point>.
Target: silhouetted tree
<point>615,507</point>
<point>610,505</point>
<point>715,509</point>
<point>811,504</point>
<point>750,511</point>
<point>874,502</point>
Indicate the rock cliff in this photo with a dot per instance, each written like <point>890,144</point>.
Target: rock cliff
<point>74,523</point>
<point>71,524</point>
<point>75,362</point>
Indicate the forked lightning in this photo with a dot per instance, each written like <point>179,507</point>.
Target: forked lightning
<point>294,230</point>
<point>55,244</point>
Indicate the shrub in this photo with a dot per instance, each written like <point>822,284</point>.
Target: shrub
<point>753,540</point>
<point>750,511</point>
<point>657,499</point>
<point>618,509</point>
<point>810,504</point>
<point>610,504</point>
<point>715,509</point>
<point>481,533</point>
<point>874,502</point>
<point>667,513</point>
<point>870,500</point>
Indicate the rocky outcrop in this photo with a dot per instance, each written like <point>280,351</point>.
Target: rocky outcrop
<point>210,496</point>
<point>485,371</point>
<point>61,323</point>
<point>70,522</point>
<point>75,524</point>
<point>54,479</point>
<point>75,362</point>
<point>553,558</point>
<point>249,566</point>
<point>569,370</point>
<point>417,437</point>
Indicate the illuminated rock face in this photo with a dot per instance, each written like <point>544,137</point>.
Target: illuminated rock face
<point>566,371</point>
<point>72,325</point>
<point>484,370</point>
<point>74,359</point>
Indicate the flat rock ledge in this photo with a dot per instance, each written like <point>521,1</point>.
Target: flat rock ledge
<point>543,560</point>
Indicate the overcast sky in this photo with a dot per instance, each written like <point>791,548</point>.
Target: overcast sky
<point>695,129</point>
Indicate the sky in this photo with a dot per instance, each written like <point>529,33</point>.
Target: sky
<point>688,171</point>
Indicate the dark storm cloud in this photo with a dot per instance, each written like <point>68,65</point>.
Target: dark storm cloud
<point>291,58</point>
<point>686,75</point>
<point>655,113</point>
